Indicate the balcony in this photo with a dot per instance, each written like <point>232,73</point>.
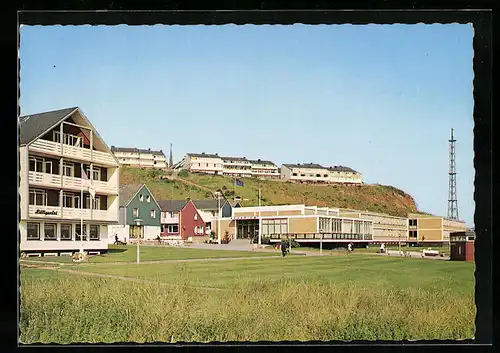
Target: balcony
<point>54,181</point>
<point>67,213</point>
<point>169,220</point>
<point>78,153</point>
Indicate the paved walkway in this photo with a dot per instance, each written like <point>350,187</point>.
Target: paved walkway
<point>413,254</point>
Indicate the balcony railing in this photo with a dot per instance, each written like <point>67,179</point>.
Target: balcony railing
<point>84,154</point>
<point>54,181</point>
<point>64,245</point>
<point>316,237</point>
<point>56,212</point>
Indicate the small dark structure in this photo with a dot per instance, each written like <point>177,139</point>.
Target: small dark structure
<point>462,246</point>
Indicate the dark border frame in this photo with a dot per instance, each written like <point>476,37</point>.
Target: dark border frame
<point>483,103</point>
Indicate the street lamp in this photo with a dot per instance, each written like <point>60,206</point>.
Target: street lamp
<point>138,222</point>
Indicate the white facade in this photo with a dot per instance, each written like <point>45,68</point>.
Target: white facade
<point>203,163</point>
<point>50,191</point>
<point>141,158</point>
<point>236,167</point>
<point>317,173</point>
<point>264,169</point>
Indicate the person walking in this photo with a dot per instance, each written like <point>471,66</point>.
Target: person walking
<point>116,239</point>
<point>283,248</point>
<point>349,248</point>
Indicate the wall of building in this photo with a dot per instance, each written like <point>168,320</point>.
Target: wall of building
<point>144,208</point>
<point>24,182</point>
<point>189,219</point>
<point>303,225</point>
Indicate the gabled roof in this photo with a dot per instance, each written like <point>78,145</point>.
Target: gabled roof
<point>35,125</point>
<point>305,165</point>
<point>203,155</point>
<point>137,150</point>
<point>127,193</point>
<point>172,205</point>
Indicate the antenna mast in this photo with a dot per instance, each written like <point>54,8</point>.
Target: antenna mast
<point>452,190</point>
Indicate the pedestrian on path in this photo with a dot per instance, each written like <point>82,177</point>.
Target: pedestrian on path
<point>283,248</point>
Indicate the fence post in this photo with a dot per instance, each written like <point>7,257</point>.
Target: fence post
<point>321,245</point>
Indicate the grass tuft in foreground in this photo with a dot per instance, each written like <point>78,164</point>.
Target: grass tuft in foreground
<point>66,309</point>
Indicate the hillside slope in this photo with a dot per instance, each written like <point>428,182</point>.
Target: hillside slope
<point>377,198</point>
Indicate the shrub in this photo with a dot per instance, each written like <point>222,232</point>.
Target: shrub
<point>183,173</point>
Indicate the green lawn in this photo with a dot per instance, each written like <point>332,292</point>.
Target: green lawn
<point>125,253</point>
<point>293,298</point>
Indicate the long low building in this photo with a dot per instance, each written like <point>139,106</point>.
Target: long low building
<point>386,228</point>
<point>430,229</point>
<point>300,222</point>
<point>137,157</point>
<point>311,172</point>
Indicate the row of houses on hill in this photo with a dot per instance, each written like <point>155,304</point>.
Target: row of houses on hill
<point>243,167</point>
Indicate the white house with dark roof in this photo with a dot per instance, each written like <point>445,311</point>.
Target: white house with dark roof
<point>61,158</point>
<point>142,158</point>
<point>311,172</point>
<point>264,169</point>
<point>236,167</point>
<point>203,163</point>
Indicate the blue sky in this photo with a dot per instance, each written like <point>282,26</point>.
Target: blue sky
<point>378,98</point>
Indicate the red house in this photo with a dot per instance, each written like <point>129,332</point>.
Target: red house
<point>180,219</point>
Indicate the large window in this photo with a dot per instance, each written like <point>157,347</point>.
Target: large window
<point>68,169</point>
<point>71,200</point>
<point>94,232</point>
<point>40,165</point>
<point>33,231</point>
<point>274,226</point>
<point>173,228</point>
<point>66,232</point>
<point>68,139</point>
<point>38,197</point>
<point>78,232</point>
<point>49,231</point>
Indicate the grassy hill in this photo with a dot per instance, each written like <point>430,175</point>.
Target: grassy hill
<point>377,198</point>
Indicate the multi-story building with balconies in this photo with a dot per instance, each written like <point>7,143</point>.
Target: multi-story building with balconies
<point>203,163</point>
<point>236,167</point>
<point>264,169</point>
<point>54,148</point>
<point>142,158</point>
<point>311,172</point>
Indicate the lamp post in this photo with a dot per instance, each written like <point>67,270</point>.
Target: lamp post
<point>138,223</point>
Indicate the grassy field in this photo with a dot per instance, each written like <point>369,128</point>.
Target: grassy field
<point>377,198</point>
<point>361,297</point>
<point>128,253</point>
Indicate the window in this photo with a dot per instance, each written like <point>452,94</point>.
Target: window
<point>66,232</point>
<point>318,175</point>
<point>96,172</point>
<point>195,216</point>
<point>38,197</point>
<point>49,231</point>
<point>78,232</point>
<point>68,139</point>
<point>174,214</point>
<point>148,198</point>
<point>68,169</point>
<point>135,212</point>
<point>302,175</point>
<point>173,228</point>
<point>141,197</point>
<point>94,232</point>
<point>274,226</point>
<point>153,213</point>
<point>294,174</point>
<point>95,204</point>
<point>33,231</point>
<point>71,200</point>
<point>325,175</point>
